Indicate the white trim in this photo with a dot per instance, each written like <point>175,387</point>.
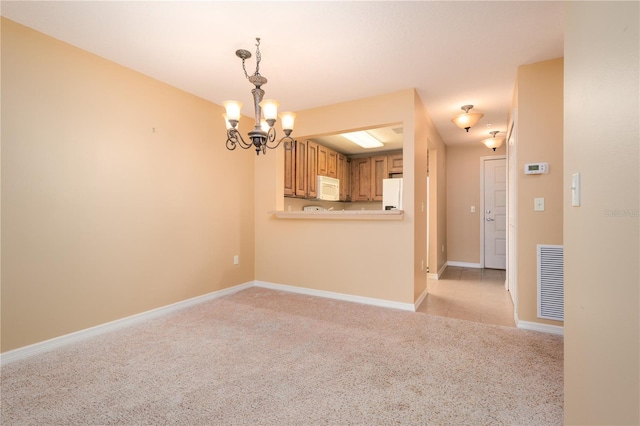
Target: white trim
<point>441,271</point>
<point>56,342</point>
<point>338,296</point>
<point>420,300</point>
<point>512,173</point>
<point>438,274</point>
<point>463,264</point>
<point>536,326</point>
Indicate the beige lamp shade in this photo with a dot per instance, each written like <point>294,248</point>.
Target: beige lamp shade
<point>233,109</point>
<point>269,109</point>
<point>288,118</point>
<point>493,142</point>
<point>467,119</point>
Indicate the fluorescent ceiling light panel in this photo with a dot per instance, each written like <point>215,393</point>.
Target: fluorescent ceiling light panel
<point>363,139</point>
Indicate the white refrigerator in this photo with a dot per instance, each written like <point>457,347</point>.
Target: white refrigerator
<point>392,194</point>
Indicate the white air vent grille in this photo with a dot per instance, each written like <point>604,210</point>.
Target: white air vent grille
<point>551,282</point>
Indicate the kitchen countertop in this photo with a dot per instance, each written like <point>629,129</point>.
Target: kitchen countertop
<point>341,214</point>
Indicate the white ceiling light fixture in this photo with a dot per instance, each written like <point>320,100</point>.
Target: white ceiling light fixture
<point>364,139</point>
<point>493,142</point>
<point>467,119</point>
<point>262,136</point>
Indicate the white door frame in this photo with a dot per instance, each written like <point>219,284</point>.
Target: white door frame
<point>511,282</point>
<point>482,210</point>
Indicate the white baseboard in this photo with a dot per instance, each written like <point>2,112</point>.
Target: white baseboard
<point>57,342</point>
<point>437,275</point>
<point>66,339</point>
<point>420,300</point>
<point>338,296</point>
<point>543,328</point>
<point>463,264</point>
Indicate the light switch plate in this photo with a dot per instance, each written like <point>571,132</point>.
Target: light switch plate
<point>575,189</point>
<point>538,204</point>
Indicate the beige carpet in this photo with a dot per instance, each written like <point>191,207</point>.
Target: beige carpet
<point>262,357</point>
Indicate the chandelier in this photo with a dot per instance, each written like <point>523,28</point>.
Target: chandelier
<point>263,135</point>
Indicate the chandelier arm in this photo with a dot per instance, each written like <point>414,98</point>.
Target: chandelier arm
<point>234,138</point>
<point>271,135</point>
<point>288,143</point>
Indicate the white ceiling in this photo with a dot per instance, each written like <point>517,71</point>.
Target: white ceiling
<point>317,53</point>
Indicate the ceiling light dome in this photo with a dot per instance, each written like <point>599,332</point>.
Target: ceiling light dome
<point>493,142</point>
<point>467,119</point>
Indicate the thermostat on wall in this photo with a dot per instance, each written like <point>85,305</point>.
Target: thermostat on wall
<point>536,168</point>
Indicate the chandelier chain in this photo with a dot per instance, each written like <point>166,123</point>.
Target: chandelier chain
<point>258,58</point>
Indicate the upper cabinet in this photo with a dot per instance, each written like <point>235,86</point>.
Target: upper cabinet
<point>344,174</point>
<point>379,171</point>
<point>300,169</point>
<point>289,171</point>
<point>366,177</point>
<point>360,177</point>
<point>395,163</point>
<point>312,169</point>
<point>327,162</point>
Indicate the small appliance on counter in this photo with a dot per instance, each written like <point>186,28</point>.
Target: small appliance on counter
<point>392,194</point>
<point>313,209</point>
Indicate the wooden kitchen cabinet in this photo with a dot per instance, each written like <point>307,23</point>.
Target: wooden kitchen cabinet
<point>343,171</point>
<point>323,161</point>
<point>395,163</point>
<point>332,163</point>
<point>290,171</point>
<point>379,171</point>
<point>312,169</point>
<point>360,179</point>
<point>366,177</point>
<point>327,162</point>
<point>300,180</point>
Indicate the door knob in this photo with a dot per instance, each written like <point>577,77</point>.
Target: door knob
<point>489,219</point>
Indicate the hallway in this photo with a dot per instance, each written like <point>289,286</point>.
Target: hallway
<point>470,294</point>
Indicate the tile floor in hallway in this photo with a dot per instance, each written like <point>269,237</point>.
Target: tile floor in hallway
<point>471,294</point>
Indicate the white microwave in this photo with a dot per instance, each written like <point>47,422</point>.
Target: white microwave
<point>328,188</point>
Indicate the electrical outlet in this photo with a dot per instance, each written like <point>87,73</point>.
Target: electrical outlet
<point>236,259</point>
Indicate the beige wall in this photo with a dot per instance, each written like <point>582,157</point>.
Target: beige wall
<point>602,295</point>
<point>438,210</point>
<point>463,191</point>
<point>539,124</point>
<point>376,259</point>
<point>427,140</point>
<point>102,216</point>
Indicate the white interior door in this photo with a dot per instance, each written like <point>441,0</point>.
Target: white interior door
<point>495,213</point>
